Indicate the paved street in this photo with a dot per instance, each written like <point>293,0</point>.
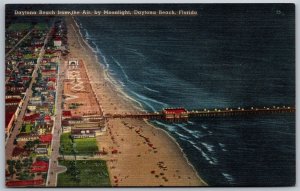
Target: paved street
<point>54,169</point>
<point>13,48</point>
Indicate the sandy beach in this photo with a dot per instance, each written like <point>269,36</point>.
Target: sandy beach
<point>144,155</point>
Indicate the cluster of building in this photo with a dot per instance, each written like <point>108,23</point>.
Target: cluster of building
<point>12,36</point>
<point>82,126</point>
<point>20,65</point>
<point>31,75</point>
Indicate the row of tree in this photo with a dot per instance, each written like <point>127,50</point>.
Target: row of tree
<point>29,145</point>
<point>16,166</point>
<point>74,171</point>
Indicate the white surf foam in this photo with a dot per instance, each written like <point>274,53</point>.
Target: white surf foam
<point>181,135</point>
<point>209,147</point>
<point>151,90</point>
<point>169,127</point>
<point>228,177</point>
<point>211,160</point>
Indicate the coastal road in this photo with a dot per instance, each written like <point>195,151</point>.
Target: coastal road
<point>54,168</point>
<point>18,123</point>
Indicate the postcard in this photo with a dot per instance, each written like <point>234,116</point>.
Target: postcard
<point>149,95</point>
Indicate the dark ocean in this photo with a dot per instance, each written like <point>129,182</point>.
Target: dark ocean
<point>227,56</point>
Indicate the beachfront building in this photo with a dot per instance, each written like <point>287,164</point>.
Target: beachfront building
<point>66,114</point>
<point>66,127</point>
<point>82,126</point>
<point>57,42</point>
<point>175,114</point>
<point>83,133</point>
<point>90,129</point>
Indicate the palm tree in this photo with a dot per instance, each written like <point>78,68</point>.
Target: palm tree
<point>77,178</point>
<point>74,151</point>
<point>36,142</point>
<point>30,161</point>
<point>11,170</point>
<point>72,138</point>
<point>29,145</point>
<point>18,165</point>
<point>62,151</point>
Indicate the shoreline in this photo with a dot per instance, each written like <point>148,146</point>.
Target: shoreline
<point>109,90</point>
<point>108,77</point>
<point>132,99</point>
<point>183,153</point>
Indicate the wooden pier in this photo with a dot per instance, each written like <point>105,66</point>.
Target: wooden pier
<point>184,115</point>
<point>240,111</point>
<point>136,116</point>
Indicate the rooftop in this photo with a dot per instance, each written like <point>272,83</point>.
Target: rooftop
<point>45,138</point>
<point>8,116</point>
<point>175,110</point>
<point>67,113</point>
<point>31,117</point>
<point>13,100</point>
